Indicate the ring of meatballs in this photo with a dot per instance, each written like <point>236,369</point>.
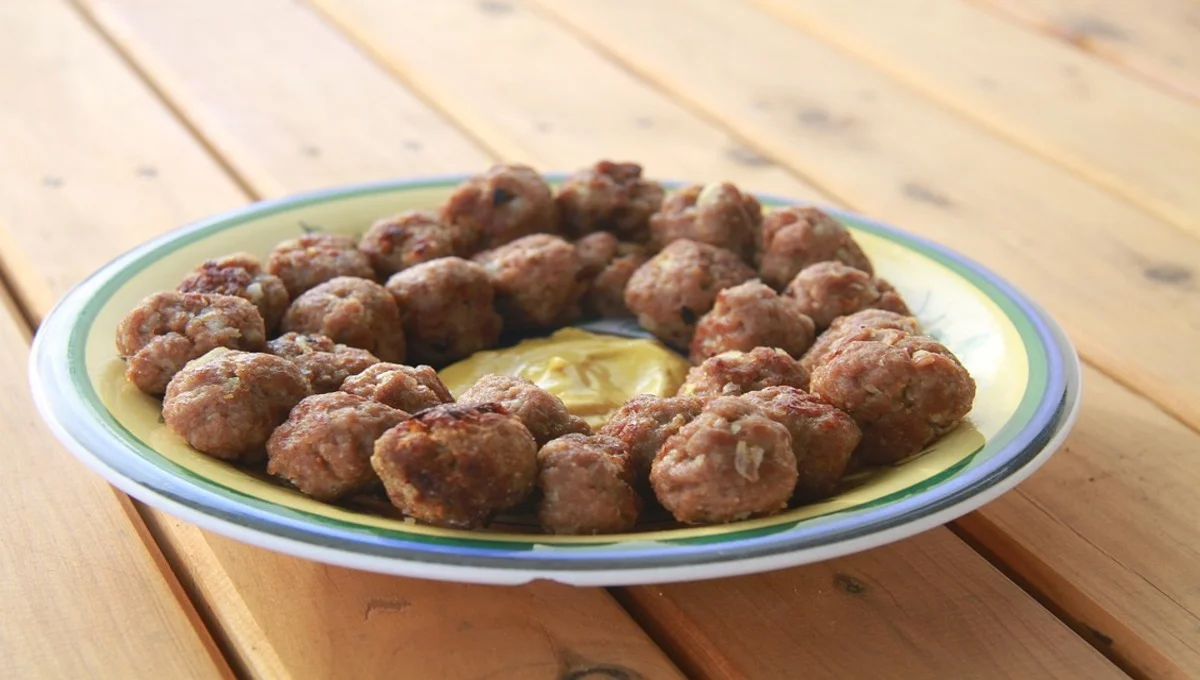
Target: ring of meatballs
<point>456,465</point>
<point>609,197</point>
<point>503,204</point>
<point>903,391</point>
<point>408,388</point>
<point>729,463</point>
<point>827,290</point>
<point>324,448</point>
<point>396,243</point>
<point>752,315</point>
<point>241,275</point>
<point>351,311</point>
<point>448,309</point>
<point>538,281</point>
<point>735,373</point>
<point>796,237</point>
<point>306,262</point>
<point>544,414</point>
<point>324,363</point>
<point>587,486</point>
<point>718,214</point>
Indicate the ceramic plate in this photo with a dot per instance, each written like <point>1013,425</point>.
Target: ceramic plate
<point>1028,394</point>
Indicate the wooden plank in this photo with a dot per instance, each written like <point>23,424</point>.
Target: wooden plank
<point>890,152</point>
<point>84,592</point>
<point>864,617</point>
<point>1157,39</point>
<point>1119,132</point>
<point>274,613</point>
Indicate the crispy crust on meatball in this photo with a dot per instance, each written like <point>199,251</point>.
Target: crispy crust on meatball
<point>717,214</point>
<point>414,236</point>
<point>796,237</point>
<point>729,463</point>
<point>456,465</point>
<point>644,422</point>
<point>903,390</point>
<point>167,330</point>
<point>240,275</point>
<point>734,373</point>
<point>852,326</point>
<point>228,405</point>
<point>324,448</point>
<point>677,286</point>
<point>609,197</point>
<point>827,290</point>
<point>408,388</point>
<point>351,311</point>
<point>538,281</point>
<point>823,437</point>
<point>448,308</point>
<point>324,363</point>
<point>586,484</point>
<point>543,414</point>
<point>751,315</point>
<point>501,205</point>
<point>305,262</point>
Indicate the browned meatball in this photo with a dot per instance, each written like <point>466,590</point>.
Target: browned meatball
<point>731,462</point>
<point>543,413</point>
<point>312,259</point>
<point>609,197</point>
<point>903,390</point>
<point>717,214</point>
<point>324,363</point>
<point>595,251</point>
<point>823,438</point>
<point>586,484</point>
<point>412,237</point>
<point>351,311</point>
<point>324,448</point>
<point>241,275</point>
<point>851,326</point>
<point>167,330</point>
<point>538,281</point>
<point>408,388</point>
<point>734,373</point>
<point>644,422</point>
<point>677,286</point>
<point>501,205</point>
<point>796,237</point>
<point>606,294</point>
<point>752,315</point>
<point>448,308</point>
<point>228,405</point>
<point>827,290</point>
<point>455,465</point>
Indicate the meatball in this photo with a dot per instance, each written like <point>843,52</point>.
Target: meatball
<point>735,373</point>
<point>731,462</point>
<point>794,238</point>
<point>679,285</point>
<point>644,422</point>
<point>396,243</point>
<point>408,388</point>
<point>313,259</point>
<point>241,275</point>
<point>595,251</point>
<point>351,311</point>
<point>543,413</point>
<point>167,330</point>
<point>586,485</point>
<point>609,197</point>
<point>538,280</point>
<point>607,265</point>
<point>827,290</point>
<point>448,309</point>
<point>227,405</point>
<point>501,205</point>
<point>716,214</point>
<point>903,390</point>
<point>752,315</point>
<point>324,363</point>
<point>324,448</point>
<point>851,326</point>
<point>455,465</point>
<point>823,438</point>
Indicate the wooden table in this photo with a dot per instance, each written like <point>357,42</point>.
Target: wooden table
<point>1056,141</point>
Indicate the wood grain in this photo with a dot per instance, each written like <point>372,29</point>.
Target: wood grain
<point>888,151</point>
<point>1155,39</point>
<point>1044,96</point>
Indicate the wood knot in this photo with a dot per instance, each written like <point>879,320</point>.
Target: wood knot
<point>848,584</point>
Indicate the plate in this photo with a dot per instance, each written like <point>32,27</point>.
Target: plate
<point>1026,370</point>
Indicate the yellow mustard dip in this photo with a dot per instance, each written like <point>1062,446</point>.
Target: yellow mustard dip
<point>592,373</point>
